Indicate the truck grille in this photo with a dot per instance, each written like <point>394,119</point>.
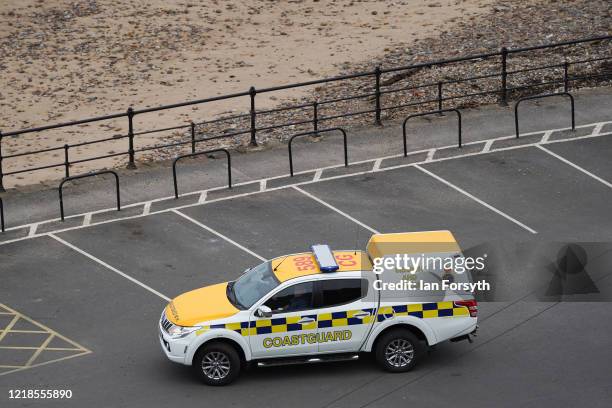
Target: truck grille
<point>165,323</point>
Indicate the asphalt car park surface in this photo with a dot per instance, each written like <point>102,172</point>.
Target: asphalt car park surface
<point>103,286</point>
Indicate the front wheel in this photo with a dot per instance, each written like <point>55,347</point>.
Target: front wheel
<point>398,350</point>
<point>217,364</point>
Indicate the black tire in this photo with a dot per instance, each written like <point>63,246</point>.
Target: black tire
<point>398,350</point>
<point>225,371</point>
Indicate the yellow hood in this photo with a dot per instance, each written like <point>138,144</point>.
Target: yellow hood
<point>207,303</point>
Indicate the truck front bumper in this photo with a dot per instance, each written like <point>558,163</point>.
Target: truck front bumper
<point>174,349</point>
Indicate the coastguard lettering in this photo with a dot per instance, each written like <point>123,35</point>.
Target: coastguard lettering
<point>310,338</point>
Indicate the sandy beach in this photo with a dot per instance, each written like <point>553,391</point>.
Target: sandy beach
<point>65,60</point>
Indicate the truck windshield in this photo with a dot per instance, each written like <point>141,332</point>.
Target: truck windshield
<point>254,284</point>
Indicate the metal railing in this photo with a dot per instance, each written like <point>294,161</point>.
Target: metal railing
<point>316,133</point>
<point>376,90</point>
<point>81,176</point>
<point>439,112</point>
<point>1,215</point>
<point>528,98</point>
<point>229,166</point>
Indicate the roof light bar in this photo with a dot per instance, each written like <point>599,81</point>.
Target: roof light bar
<point>325,258</point>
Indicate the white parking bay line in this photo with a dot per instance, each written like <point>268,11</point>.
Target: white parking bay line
<point>217,233</point>
<point>574,165</point>
<point>107,266</point>
<point>342,213</point>
<point>478,200</point>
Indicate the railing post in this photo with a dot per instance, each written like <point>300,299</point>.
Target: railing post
<point>315,117</point>
<point>573,112</point>
<point>377,73</point>
<point>77,177</point>
<point>504,77</point>
<point>207,152</point>
<point>416,115</point>
<point>193,136</point>
<point>529,98</point>
<point>2,189</point>
<point>565,76</point>
<point>66,161</point>
<point>130,113</point>
<point>292,138</point>
<point>252,93</point>
<point>1,215</point>
<point>460,127</point>
<point>440,98</point>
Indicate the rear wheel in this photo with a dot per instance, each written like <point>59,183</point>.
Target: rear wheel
<point>217,364</point>
<point>398,350</point>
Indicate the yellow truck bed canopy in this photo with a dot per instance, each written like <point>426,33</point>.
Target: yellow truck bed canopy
<point>381,245</point>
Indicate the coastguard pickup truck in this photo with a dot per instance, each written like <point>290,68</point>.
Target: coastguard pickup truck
<point>319,306</point>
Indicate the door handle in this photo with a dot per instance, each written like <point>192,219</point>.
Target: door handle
<point>361,315</point>
<point>306,320</point>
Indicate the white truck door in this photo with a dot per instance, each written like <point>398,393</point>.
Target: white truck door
<point>291,331</point>
<point>347,312</point>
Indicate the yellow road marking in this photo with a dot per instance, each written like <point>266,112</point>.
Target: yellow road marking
<point>46,362</point>
<point>36,348</point>
<point>47,329</point>
<point>8,327</point>
<point>37,351</point>
<point>25,331</point>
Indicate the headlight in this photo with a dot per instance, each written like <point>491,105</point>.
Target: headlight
<point>178,332</point>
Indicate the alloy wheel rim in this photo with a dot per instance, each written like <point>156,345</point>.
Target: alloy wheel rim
<point>399,353</point>
<point>215,365</point>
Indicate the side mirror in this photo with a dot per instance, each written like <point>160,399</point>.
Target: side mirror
<point>263,311</point>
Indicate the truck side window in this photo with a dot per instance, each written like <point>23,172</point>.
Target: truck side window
<point>336,292</point>
<point>292,299</point>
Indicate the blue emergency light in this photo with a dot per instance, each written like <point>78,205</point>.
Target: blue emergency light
<point>325,258</point>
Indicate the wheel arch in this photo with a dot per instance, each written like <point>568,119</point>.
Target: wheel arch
<point>231,338</point>
<point>420,330</point>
